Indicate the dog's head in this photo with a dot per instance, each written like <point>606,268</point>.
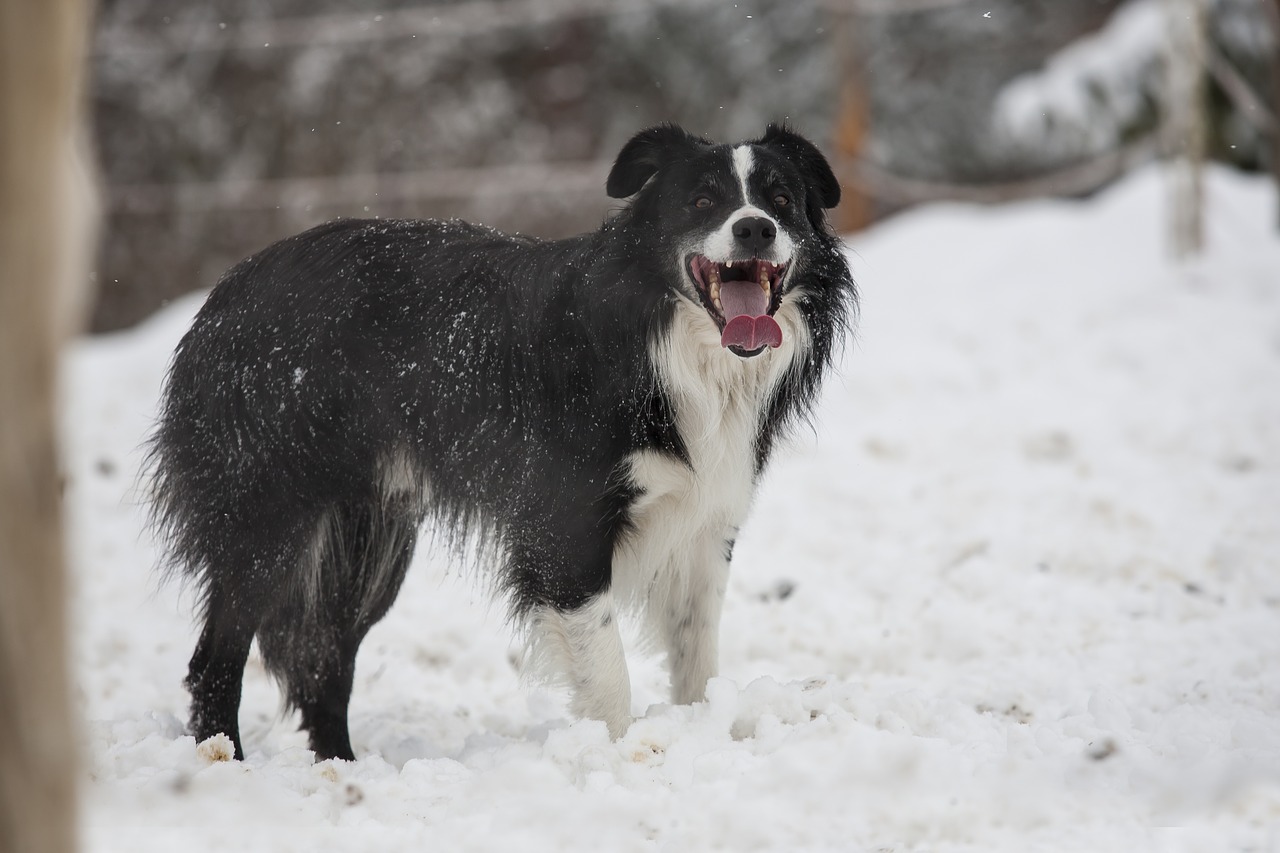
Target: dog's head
<point>735,219</point>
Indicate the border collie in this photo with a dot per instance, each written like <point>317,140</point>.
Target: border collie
<point>594,411</point>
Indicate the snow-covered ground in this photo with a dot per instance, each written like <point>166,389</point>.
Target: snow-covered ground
<point>1018,591</point>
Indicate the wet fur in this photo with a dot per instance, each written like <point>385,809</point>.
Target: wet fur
<point>566,403</point>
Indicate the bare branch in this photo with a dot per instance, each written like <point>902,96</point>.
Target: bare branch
<point>577,178</point>
<point>1240,92</point>
<point>342,190</point>
<point>1078,179</point>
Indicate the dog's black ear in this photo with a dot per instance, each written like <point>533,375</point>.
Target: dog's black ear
<point>806,157</point>
<point>647,151</point>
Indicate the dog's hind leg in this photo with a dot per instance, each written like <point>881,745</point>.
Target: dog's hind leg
<point>216,671</point>
<point>240,559</point>
<point>214,677</point>
<point>350,579</point>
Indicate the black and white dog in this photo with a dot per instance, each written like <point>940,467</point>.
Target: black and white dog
<point>595,412</point>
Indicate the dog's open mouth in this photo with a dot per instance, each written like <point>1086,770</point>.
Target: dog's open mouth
<point>741,297</point>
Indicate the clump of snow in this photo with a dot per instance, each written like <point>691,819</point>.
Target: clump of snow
<point>217,748</point>
<point>1031,562</point>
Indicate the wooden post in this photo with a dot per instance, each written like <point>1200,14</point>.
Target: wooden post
<point>852,124</point>
<point>42,230</point>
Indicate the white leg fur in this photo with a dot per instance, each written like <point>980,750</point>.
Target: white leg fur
<point>690,621</point>
<point>583,648</point>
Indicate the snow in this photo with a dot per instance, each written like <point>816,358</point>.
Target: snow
<point>1018,590</point>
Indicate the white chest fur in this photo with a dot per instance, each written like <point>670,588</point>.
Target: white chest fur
<point>686,512</point>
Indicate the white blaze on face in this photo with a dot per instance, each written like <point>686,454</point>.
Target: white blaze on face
<point>743,161</point>
<point>720,245</point>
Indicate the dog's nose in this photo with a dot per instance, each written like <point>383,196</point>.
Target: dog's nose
<point>754,232</point>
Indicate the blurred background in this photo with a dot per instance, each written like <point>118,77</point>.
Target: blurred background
<point>224,125</point>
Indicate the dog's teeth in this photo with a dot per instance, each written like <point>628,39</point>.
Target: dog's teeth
<point>713,287</point>
<point>764,279</point>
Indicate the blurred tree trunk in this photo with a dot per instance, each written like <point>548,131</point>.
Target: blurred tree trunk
<point>41,47</point>
<point>1186,122</point>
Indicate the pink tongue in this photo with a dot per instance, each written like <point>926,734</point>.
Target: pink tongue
<point>748,326</point>
<point>751,333</point>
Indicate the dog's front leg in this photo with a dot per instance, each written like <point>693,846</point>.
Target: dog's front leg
<point>583,646</point>
<point>690,618</point>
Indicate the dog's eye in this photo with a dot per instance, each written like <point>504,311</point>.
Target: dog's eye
<point>781,200</point>
<point>702,202</point>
